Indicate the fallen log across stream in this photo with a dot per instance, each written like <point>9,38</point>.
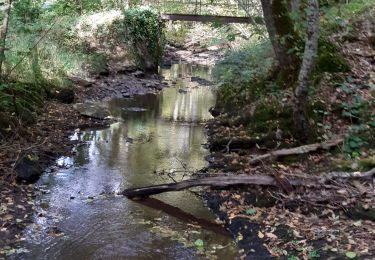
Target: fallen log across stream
<point>220,181</point>
<point>223,181</point>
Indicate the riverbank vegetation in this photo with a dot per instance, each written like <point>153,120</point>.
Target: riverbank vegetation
<point>250,77</point>
<point>291,88</point>
<point>51,45</point>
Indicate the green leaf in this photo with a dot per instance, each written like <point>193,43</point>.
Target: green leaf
<point>350,254</point>
<point>199,243</point>
<point>251,211</point>
<point>353,144</point>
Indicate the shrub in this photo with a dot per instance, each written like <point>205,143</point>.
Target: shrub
<point>143,31</point>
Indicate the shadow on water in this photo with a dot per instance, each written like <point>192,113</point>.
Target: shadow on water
<point>157,132</point>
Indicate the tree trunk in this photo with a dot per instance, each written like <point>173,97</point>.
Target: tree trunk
<point>283,37</point>
<point>301,92</point>
<point>270,24</point>
<point>3,34</point>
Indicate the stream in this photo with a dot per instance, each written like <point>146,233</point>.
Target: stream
<point>158,138</point>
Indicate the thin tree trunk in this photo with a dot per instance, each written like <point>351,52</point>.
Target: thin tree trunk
<point>301,91</point>
<point>3,34</point>
<point>270,24</point>
<point>283,38</point>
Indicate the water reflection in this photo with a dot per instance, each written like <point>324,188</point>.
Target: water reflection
<point>157,132</point>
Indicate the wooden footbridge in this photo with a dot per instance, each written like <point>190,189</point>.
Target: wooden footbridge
<point>219,11</point>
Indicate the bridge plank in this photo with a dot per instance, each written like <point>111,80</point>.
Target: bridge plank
<point>206,18</point>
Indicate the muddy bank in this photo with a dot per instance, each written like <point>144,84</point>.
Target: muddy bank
<point>121,84</point>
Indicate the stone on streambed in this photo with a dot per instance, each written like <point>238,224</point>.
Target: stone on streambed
<point>201,81</point>
<point>138,74</point>
<point>28,170</point>
<point>86,83</point>
<point>183,91</point>
<point>92,110</point>
<point>134,109</point>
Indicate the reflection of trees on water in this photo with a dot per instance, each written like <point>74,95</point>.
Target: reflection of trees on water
<point>188,107</point>
<point>180,71</point>
<point>163,135</point>
<point>170,144</point>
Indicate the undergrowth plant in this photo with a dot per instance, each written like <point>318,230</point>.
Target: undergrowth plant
<point>144,32</point>
<point>242,73</point>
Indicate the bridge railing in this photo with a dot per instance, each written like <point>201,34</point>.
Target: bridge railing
<point>238,8</point>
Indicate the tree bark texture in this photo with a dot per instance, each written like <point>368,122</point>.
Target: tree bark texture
<point>301,123</point>
<point>3,34</point>
<point>283,37</point>
<point>270,24</point>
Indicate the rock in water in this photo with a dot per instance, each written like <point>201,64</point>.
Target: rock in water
<point>28,170</point>
<point>92,110</point>
<point>214,111</point>
<point>182,91</point>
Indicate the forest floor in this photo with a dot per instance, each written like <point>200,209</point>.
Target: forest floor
<point>334,220</point>
<point>49,138</point>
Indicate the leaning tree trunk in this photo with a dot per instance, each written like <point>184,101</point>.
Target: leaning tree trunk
<point>301,91</point>
<point>3,34</point>
<point>283,37</point>
<point>270,24</point>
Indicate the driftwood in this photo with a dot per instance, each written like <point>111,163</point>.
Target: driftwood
<point>295,151</point>
<point>220,181</point>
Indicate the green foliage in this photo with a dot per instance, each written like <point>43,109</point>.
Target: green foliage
<point>354,140</point>
<point>143,30</point>
<point>352,110</point>
<point>66,7</point>
<point>240,76</point>
<point>21,100</point>
<point>176,33</point>
<point>27,11</point>
<point>38,68</point>
<point>340,16</point>
<point>251,211</point>
<point>199,243</point>
<point>313,254</point>
<point>350,255</point>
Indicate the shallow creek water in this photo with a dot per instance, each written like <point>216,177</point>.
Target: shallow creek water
<point>81,218</point>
